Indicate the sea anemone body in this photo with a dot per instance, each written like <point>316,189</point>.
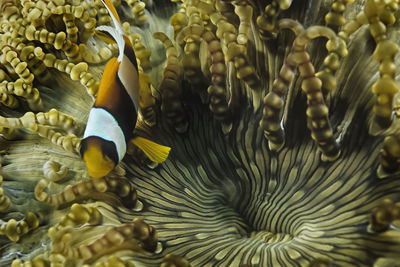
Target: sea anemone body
<point>282,155</point>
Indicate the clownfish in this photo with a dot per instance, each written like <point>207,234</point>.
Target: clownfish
<point>113,116</point>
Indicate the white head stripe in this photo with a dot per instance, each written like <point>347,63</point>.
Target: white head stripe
<point>102,124</point>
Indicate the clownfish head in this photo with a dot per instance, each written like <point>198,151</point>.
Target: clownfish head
<point>99,155</point>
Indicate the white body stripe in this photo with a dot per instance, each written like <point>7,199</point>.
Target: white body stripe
<point>102,124</point>
<point>129,77</point>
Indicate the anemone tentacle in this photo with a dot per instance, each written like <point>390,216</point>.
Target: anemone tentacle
<point>322,189</point>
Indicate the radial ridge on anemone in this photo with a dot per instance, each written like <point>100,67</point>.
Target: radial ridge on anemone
<point>282,118</point>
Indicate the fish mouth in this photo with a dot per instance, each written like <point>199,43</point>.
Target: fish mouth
<point>98,174</point>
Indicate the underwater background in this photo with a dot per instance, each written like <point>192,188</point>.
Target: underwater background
<point>282,117</point>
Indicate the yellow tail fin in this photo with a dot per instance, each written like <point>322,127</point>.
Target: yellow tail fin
<point>154,151</point>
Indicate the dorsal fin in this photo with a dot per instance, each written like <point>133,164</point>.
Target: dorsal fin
<point>111,9</point>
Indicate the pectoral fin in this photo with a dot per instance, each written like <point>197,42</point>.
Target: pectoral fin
<point>104,37</point>
<point>155,152</point>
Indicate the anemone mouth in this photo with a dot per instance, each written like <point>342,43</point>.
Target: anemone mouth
<point>235,191</point>
<point>232,201</point>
